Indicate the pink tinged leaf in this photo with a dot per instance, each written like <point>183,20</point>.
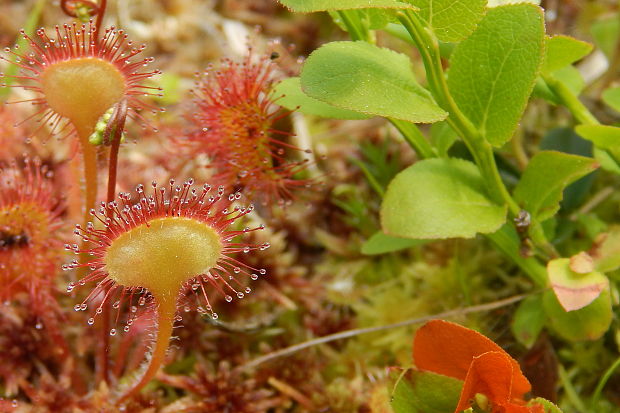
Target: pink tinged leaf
<point>575,289</point>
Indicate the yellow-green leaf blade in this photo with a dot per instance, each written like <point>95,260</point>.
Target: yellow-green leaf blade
<point>289,95</point>
<point>439,198</point>
<point>563,51</point>
<point>425,392</point>
<point>493,72</point>
<point>309,6</point>
<point>451,20</point>
<point>574,290</point>
<point>587,323</point>
<point>611,97</point>
<point>381,243</point>
<point>603,136</point>
<point>364,78</point>
<point>540,189</point>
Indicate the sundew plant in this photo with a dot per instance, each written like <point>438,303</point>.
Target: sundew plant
<point>287,206</point>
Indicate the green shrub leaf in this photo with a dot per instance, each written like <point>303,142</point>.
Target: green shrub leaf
<point>365,78</point>
<point>546,404</point>
<point>603,136</point>
<point>439,198</point>
<point>451,20</point>
<point>611,97</point>
<point>573,289</point>
<point>563,51</point>
<point>529,320</point>
<point>606,34</point>
<point>496,3</point>
<point>606,250</point>
<point>492,73</point>
<point>309,6</point>
<point>540,189</point>
<point>289,95</point>
<point>425,392</point>
<point>588,323</point>
<point>381,243</point>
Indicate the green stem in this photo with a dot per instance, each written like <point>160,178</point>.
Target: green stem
<point>480,149</point>
<point>572,102</point>
<point>482,152</point>
<point>369,177</point>
<point>414,138</point>
<point>165,322</point>
<point>571,393</point>
<point>89,153</point>
<point>602,382</point>
<point>509,244</point>
<point>354,30</point>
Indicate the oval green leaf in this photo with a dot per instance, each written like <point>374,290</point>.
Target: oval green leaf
<point>611,97</point>
<point>603,136</point>
<point>289,95</point>
<point>588,323</point>
<point>606,250</point>
<point>493,72</point>
<point>574,290</point>
<point>439,198</point>
<point>563,51</point>
<point>547,174</point>
<point>309,6</point>
<point>381,243</point>
<point>529,320</point>
<point>425,392</point>
<point>364,78</point>
<point>451,20</point>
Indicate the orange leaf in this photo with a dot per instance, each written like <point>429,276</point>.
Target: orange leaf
<point>449,349</point>
<point>516,408</point>
<point>490,374</point>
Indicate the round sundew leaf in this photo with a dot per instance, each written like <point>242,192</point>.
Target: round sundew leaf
<point>289,95</point>
<point>364,78</point>
<point>574,290</point>
<point>493,71</point>
<point>64,86</point>
<point>439,198</point>
<point>164,255</point>
<point>587,323</point>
